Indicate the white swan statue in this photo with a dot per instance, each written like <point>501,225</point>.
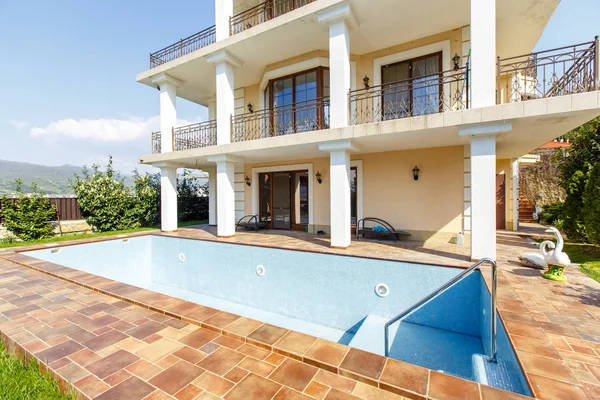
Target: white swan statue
<point>535,259</point>
<point>556,259</point>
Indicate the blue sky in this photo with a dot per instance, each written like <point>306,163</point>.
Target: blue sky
<point>69,94</point>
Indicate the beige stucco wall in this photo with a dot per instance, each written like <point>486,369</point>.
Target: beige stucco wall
<point>431,205</point>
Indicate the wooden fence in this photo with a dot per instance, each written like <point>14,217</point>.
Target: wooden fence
<point>67,208</point>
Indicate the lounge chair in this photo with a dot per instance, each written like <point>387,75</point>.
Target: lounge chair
<point>380,230</point>
<point>252,223</point>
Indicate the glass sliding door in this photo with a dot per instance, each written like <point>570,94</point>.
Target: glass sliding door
<point>265,208</point>
<point>283,199</point>
<point>353,196</point>
<point>282,207</point>
<point>411,87</point>
<point>300,199</point>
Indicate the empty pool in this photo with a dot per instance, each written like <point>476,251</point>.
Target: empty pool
<point>339,298</point>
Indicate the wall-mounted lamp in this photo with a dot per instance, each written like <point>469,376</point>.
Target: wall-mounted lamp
<point>250,107</point>
<point>366,81</point>
<point>416,173</point>
<point>318,176</point>
<point>247,180</point>
<point>456,60</point>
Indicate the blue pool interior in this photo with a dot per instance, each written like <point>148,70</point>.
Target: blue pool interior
<point>324,295</point>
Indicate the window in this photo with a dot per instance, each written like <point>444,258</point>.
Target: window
<point>412,87</point>
<point>298,102</point>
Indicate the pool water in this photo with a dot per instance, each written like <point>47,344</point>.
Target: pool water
<point>329,296</point>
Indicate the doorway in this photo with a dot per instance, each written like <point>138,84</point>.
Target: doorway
<point>500,201</point>
<point>284,199</point>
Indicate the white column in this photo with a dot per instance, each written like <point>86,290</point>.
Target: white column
<point>483,197</point>
<point>339,62</point>
<point>483,53</point>
<point>339,191</point>
<point>483,186</point>
<point>212,110</point>
<point>224,62</point>
<point>223,11</point>
<point>168,110</point>
<point>225,194</point>
<point>515,193</point>
<point>212,196</point>
<point>168,198</point>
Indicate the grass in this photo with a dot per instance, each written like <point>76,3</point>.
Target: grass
<point>21,380</point>
<point>55,239</point>
<point>588,255</point>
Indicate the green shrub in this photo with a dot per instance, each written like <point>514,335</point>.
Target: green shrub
<point>552,212</point>
<point>192,199</point>
<point>591,205</point>
<point>573,210</point>
<point>28,218</point>
<point>147,202</point>
<point>105,201</point>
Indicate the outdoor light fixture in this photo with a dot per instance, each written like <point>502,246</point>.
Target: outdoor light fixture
<point>366,81</point>
<point>416,173</point>
<point>247,180</point>
<point>318,176</point>
<point>456,60</point>
<point>250,107</point>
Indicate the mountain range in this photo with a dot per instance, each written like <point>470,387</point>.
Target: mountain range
<point>50,180</point>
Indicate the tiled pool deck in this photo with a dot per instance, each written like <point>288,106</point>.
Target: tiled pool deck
<point>115,341</point>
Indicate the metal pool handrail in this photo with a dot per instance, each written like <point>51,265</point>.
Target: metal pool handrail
<point>445,286</point>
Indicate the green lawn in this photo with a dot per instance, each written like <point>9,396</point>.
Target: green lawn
<point>24,381</point>
<point>588,255</point>
<point>63,238</point>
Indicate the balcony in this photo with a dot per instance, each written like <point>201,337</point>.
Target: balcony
<point>263,12</point>
<point>304,116</point>
<point>156,142</point>
<point>256,15</point>
<point>193,136</point>
<point>549,73</point>
<point>441,92</point>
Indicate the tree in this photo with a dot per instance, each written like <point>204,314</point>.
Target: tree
<point>576,164</point>
<point>591,205</point>
<point>147,196</point>
<point>28,218</point>
<point>105,201</point>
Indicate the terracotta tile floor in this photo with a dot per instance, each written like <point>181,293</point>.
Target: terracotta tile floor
<point>115,341</point>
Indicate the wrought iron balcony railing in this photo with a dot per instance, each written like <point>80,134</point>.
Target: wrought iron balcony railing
<point>550,73</point>
<point>156,142</point>
<point>305,116</point>
<point>183,47</point>
<point>256,15</point>
<point>441,92</point>
<point>263,12</point>
<point>202,134</point>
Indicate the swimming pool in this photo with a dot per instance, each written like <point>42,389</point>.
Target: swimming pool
<point>339,298</point>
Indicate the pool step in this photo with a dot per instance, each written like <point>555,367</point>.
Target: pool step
<point>501,373</point>
<point>369,336</point>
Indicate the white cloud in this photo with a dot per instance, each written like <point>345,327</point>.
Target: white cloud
<point>102,130</point>
<point>20,125</point>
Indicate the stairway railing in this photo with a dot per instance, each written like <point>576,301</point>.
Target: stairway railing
<point>444,287</point>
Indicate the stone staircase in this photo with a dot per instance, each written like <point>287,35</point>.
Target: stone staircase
<point>525,209</point>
